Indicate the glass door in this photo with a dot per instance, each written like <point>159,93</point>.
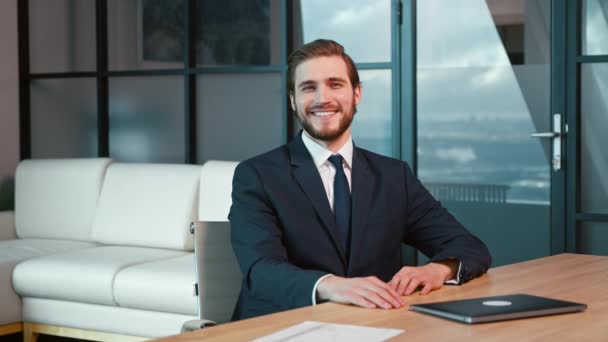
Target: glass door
<point>484,86</point>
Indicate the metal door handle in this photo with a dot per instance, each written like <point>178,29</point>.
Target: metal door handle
<point>556,135</point>
<point>544,135</point>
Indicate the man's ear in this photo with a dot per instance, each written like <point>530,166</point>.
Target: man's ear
<point>357,94</point>
<point>292,101</point>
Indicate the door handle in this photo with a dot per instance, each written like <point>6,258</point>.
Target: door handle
<point>544,135</point>
<point>556,135</point>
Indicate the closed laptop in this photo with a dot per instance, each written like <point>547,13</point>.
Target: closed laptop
<point>497,308</point>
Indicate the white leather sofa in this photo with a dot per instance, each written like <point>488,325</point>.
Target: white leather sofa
<point>102,250</point>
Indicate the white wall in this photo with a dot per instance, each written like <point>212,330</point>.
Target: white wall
<point>9,100</point>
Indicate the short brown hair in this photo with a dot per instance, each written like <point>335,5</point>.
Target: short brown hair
<point>319,48</point>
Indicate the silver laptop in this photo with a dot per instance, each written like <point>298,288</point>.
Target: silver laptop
<point>497,308</point>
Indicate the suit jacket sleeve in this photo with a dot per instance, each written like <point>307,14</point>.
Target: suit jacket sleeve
<point>257,243</point>
<point>438,235</point>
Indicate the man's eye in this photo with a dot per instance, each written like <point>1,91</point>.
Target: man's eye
<point>308,88</point>
<point>336,85</point>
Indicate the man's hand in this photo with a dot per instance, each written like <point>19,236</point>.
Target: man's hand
<point>368,292</point>
<point>430,276</point>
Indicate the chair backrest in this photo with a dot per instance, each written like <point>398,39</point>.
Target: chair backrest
<point>218,273</point>
<point>148,205</point>
<point>216,190</point>
<point>57,198</point>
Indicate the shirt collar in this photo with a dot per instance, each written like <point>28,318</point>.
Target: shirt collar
<point>320,154</point>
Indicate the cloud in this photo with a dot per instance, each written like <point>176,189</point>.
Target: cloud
<point>358,13</point>
<point>457,154</point>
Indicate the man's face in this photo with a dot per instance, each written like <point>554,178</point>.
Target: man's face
<point>324,99</point>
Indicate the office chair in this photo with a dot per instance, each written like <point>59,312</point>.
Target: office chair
<point>218,275</point>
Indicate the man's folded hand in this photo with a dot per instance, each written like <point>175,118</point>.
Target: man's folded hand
<point>430,276</point>
<point>367,292</point>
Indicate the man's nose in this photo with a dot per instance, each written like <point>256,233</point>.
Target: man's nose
<point>323,95</point>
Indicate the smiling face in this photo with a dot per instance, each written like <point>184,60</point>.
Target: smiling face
<point>325,100</point>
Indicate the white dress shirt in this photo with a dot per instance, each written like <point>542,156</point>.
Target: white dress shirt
<point>327,171</point>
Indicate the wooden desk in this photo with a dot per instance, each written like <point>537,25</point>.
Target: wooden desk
<point>572,277</point>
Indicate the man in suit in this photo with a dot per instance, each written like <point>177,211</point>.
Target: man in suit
<point>320,219</point>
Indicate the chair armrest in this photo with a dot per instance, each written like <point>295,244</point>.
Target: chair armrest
<point>7,225</point>
<point>196,324</point>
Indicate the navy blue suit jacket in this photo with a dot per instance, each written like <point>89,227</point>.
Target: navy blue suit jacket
<point>283,230</point>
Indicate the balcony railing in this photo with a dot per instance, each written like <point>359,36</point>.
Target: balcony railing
<point>487,193</point>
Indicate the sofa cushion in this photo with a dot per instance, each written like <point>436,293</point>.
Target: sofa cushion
<point>21,249</point>
<point>57,198</point>
<point>83,276</point>
<point>216,190</point>
<point>149,205</point>
<point>14,251</point>
<point>164,285</point>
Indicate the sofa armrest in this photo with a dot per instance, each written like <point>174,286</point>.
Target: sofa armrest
<point>7,225</point>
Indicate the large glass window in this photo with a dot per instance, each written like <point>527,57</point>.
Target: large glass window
<point>145,93</point>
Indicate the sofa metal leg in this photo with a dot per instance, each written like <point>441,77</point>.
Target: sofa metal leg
<point>29,335</point>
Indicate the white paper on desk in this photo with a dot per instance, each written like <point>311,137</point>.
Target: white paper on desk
<point>321,332</point>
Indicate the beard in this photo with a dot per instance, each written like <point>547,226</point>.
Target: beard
<point>327,134</point>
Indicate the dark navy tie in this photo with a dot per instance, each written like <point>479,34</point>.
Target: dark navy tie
<point>342,202</point>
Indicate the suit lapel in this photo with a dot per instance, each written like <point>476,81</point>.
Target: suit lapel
<point>362,190</point>
<point>307,176</point>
